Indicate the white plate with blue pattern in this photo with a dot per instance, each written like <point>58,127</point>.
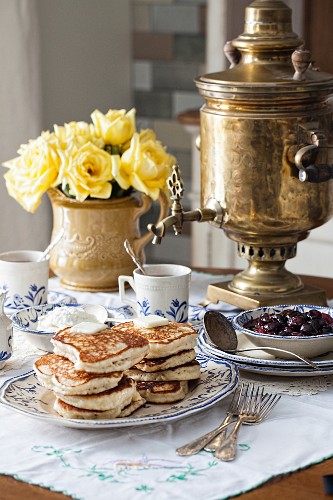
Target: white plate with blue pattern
<point>53,297</point>
<point>219,378</point>
<point>264,363</point>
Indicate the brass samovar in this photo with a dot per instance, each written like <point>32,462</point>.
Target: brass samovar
<point>265,136</point>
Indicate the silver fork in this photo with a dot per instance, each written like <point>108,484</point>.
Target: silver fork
<point>254,410</point>
<point>199,443</point>
<point>267,404</point>
<point>233,411</point>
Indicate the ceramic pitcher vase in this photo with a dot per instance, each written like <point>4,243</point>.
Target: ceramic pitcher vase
<point>91,254</point>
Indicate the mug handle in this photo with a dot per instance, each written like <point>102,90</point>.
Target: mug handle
<point>122,290</point>
<point>163,200</point>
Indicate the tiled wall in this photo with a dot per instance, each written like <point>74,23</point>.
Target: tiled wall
<point>168,53</point>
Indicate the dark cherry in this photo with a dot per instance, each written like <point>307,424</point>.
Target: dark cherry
<point>313,313</point>
<point>328,318</point>
<point>280,318</point>
<point>307,329</point>
<point>296,322</point>
<point>292,323</point>
<point>286,331</point>
<point>272,327</point>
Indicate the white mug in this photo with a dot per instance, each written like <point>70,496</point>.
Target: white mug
<point>163,290</point>
<point>24,278</point>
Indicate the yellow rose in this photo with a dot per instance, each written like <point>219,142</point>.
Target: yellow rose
<point>84,159</point>
<point>88,173</point>
<point>32,173</point>
<point>145,165</point>
<point>72,136</point>
<point>116,127</point>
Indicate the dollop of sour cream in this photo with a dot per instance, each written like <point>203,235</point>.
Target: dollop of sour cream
<point>87,327</point>
<point>61,317</point>
<point>150,321</point>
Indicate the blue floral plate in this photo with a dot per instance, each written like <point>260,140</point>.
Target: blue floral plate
<point>52,298</point>
<point>219,378</point>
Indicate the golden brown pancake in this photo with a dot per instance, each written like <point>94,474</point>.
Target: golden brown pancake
<point>106,351</point>
<point>163,392</point>
<point>158,364</point>
<point>69,411</point>
<point>163,340</point>
<point>118,397</point>
<point>59,374</point>
<point>188,371</point>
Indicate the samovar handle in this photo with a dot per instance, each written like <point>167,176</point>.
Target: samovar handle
<point>312,173</point>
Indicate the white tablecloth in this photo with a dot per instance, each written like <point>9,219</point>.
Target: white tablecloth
<point>135,463</point>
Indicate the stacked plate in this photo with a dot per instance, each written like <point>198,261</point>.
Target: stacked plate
<point>261,362</point>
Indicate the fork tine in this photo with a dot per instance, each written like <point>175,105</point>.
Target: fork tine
<point>265,401</point>
<point>238,398</point>
<point>270,403</point>
<point>252,402</point>
<point>258,400</point>
<point>249,407</point>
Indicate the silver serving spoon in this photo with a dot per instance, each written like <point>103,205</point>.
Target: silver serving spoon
<point>130,250</point>
<point>53,243</point>
<point>222,334</point>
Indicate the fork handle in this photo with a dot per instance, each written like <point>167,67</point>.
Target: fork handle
<point>220,438</point>
<point>198,444</point>
<point>227,451</point>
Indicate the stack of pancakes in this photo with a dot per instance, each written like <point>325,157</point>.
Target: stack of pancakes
<point>87,373</point>
<point>164,373</point>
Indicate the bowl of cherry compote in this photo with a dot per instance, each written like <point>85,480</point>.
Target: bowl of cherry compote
<point>305,330</point>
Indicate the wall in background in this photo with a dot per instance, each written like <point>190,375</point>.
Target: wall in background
<point>20,117</point>
<point>86,58</point>
<point>169,46</point>
<point>61,60</point>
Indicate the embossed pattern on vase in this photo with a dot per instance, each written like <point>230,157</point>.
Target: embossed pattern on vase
<point>91,254</point>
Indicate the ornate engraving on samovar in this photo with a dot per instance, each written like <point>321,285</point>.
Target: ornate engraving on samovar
<point>266,161</point>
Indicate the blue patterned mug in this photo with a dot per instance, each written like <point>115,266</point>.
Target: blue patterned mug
<point>24,278</point>
<point>163,290</point>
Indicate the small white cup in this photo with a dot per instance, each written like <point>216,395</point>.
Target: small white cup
<point>24,278</point>
<point>164,291</point>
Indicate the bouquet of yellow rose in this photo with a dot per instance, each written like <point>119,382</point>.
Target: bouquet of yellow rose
<point>107,158</point>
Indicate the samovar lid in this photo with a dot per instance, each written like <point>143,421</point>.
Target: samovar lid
<point>268,57</point>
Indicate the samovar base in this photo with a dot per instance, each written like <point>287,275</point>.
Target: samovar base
<point>221,292</point>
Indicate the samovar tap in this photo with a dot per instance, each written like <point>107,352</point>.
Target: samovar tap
<point>212,211</point>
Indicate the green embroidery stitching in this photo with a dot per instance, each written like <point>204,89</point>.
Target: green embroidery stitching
<point>121,471</point>
<point>244,447</point>
<point>144,487</point>
<point>60,455</point>
<point>190,471</point>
